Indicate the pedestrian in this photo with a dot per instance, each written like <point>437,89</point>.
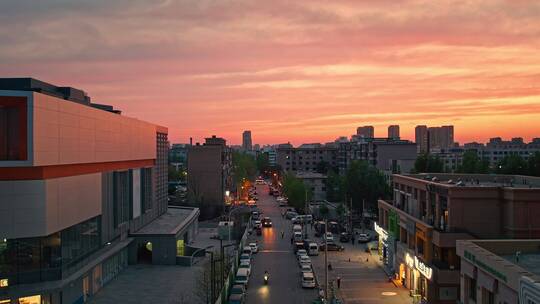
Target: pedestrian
<point>291,240</point>
<point>338,282</point>
<point>282,234</point>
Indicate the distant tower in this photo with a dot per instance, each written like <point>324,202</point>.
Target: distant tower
<point>365,131</point>
<point>393,132</point>
<point>246,140</point>
<point>421,138</point>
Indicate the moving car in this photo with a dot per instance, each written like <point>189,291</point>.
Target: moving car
<point>313,249</point>
<point>308,280</point>
<point>245,265</point>
<point>242,277</point>
<point>266,222</point>
<point>331,247</point>
<point>363,238</point>
<point>254,247</point>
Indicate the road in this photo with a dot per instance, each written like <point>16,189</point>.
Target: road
<point>276,256</point>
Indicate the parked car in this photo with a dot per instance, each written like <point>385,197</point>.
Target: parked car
<point>301,252</point>
<point>245,264</point>
<point>363,238</point>
<point>254,247</point>
<point>304,260</point>
<point>344,237</point>
<point>236,298</point>
<point>306,268</point>
<point>329,237</point>
<point>308,280</point>
<point>290,214</point>
<point>297,236</point>
<point>298,246</point>
<point>313,249</point>
<point>258,230</point>
<point>258,224</point>
<point>242,277</point>
<point>238,289</point>
<point>246,257</point>
<point>331,247</point>
<point>247,250</point>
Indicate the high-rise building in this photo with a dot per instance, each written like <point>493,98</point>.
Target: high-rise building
<point>440,137</point>
<point>246,141</point>
<point>306,157</point>
<point>393,131</point>
<point>421,138</point>
<point>80,187</point>
<point>209,175</point>
<point>365,131</point>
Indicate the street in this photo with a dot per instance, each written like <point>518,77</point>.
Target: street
<point>276,256</point>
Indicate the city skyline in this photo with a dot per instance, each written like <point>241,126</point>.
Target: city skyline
<point>308,73</point>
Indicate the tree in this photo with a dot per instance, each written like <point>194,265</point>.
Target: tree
<point>340,210</point>
<point>512,164</point>
<point>533,164</point>
<point>244,167</point>
<point>296,191</point>
<point>323,211</point>
<point>262,162</point>
<point>335,187</point>
<point>364,185</point>
<point>427,163</point>
<point>471,163</point>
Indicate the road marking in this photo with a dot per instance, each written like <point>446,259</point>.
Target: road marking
<point>276,251</point>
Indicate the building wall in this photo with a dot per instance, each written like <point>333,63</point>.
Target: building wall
<point>205,174</point>
<point>40,207</point>
<point>65,132</point>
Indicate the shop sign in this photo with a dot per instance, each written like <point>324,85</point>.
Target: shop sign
<point>4,282</point>
<point>472,258</point>
<point>416,263</point>
<point>382,233</point>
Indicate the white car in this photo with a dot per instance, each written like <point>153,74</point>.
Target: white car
<point>258,224</point>
<point>305,268</point>
<point>308,280</point>
<point>304,260</point>
<point>242,277</point>
<point>329,237</point>
<point>300,253</point>
<point>363,238</point>
<point>246,265</point>
<point>245,257</point>
<point>254,247</point>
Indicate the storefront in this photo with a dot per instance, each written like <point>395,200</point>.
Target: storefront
<point>386,248</point>
<point>415,276</point>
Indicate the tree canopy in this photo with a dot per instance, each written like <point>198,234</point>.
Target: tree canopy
<point>427,163</point>
<point>471,163</point>
<point>296,191</point>
<point>244,166</point>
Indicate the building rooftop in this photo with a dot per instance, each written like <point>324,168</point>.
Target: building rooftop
<point>478,180</point>
<point>527,261</point>
<point>172,221</point>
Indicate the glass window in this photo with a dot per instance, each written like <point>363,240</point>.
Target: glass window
<point>13,128</point>
<point>472,289</point>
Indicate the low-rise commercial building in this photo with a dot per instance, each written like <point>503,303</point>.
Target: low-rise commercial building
<point>499,271</point>
<point>78,183</point>
<point>429,212</point>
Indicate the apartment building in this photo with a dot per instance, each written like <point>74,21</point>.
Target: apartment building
<point>246,141</point>
<point>306,157</point>
<point>499,271</point>
<point>316,182</point>
<point>79,185</point>
<point>393,131</point>
<point>421,138</point>
<point>209,176</point>
<point>386,154</point>
<point>419,228</point>
<point>272,154</point>
<point>440,137</point>
<point>365,131</point>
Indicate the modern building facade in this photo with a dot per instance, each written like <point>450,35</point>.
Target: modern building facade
<point>419,228</point>
<point>393,131</point>
<point>246,141</point>
<point>272,154</point>
<point>306,157</point>
<point>499,271</point>
<point>440,137</point>
<point>365,131</point>
<point>209,175</point>
<point>77,181</point>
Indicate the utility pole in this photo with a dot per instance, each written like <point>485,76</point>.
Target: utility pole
<point>325,259</point>
<point>363,202</point>
<point>222,264</point>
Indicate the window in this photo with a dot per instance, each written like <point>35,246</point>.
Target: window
<point>121,200</point>
<point>13,128</point>
<point>472,289</point>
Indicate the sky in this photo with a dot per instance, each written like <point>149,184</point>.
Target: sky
<point>289,71</point>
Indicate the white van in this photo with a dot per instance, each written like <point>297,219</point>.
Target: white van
<point>242,277</point>
<point>297,236</point>
<point>313,249</point>
<point>308,280</point>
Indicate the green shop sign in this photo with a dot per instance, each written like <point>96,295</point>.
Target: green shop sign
<point>393,223</point>
<point>472,258</point>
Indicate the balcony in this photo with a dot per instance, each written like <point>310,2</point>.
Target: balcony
<point>444,274</point>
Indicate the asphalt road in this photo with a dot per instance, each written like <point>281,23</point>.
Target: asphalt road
<point>276,256</point>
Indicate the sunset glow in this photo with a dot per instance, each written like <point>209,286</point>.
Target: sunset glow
<point>300,71</point>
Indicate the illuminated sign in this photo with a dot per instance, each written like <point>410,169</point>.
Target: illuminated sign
<point>382,233</point>
<point>4,282</point>
<point>424,269</point>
